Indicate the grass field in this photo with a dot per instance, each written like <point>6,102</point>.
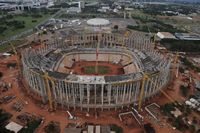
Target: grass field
<point>28,20</point>
<point>101,69</point>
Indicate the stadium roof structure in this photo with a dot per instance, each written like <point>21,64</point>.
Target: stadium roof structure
<point>98,22</point>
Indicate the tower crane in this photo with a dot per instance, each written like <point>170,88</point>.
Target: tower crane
<point>48,88</point>
<point>17,57</point>
<point>97,52</point>
<point>153,37</point>
<point>51,100</point>
<point>145,78</point>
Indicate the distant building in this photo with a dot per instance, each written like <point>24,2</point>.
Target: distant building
<point>196,61</point>
<point>187,36</point>
<point>197,84</point>
<point>73,10</point>
<point>165,35</point>
<point>98,22</point>
<point>77,9</point>
<point>12,126</point>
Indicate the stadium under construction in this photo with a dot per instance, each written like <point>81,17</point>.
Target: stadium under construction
<point>50,71</point>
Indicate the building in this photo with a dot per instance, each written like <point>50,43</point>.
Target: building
<point>187,36</point>
<point>73,10</point>
<point>165,35</point>
<point>197,84</point>
<point>98,22</point>
<point>12,126</point>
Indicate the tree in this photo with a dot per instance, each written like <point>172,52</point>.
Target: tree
<point>52,127</point>
<point>167,108</point>
<point>149,129</point>
<point>1,74</point>
<point>194,120</point>
<point>192,128</point>
<point>184,90</point>
<point>11,65</point>
<point>31,126</point>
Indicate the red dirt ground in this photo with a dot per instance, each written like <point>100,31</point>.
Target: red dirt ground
<point>104,118</point>
<point>115,69</point>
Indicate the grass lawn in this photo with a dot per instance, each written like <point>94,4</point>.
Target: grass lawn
<point>101,69</point>
<point>28,25</point>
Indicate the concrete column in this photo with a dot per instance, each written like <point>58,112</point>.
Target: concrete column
<point>68,94</point>
<point>109,94</point>
<point>102,87</point>
<point>60,93</point>
<point>95,95</point>
<point>73,94</point>
<point>124,92</point>
<point>81,94</point>
<point>130,90</point>
<point>88,95</point>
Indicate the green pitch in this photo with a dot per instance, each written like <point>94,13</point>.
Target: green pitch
<point>101,69</point>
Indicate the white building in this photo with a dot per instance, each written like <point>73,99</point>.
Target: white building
<point>12,126</point>
<point>165,35</point>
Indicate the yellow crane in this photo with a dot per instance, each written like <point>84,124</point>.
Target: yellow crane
<point>17,57</point>
<point>126,34</point>
<point>52,103</point>
<point>145,78</point>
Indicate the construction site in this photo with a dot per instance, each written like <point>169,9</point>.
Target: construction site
<point>49,72</point>
<point>90,82</point>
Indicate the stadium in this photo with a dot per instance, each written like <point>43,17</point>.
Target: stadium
<point>95,70</point>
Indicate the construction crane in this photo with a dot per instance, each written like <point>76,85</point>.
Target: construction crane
<point>97,53</point>
<point>17,57</point>
<point>52,103</point>
<point>126,34</point>
<point>48,86</point>
<point>145,78</point>
<point>153,37</point>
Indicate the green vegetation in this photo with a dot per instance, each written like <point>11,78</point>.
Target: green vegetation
<point>147,24</point>
<point>13,65</point>
<point>167,108</point>
<point>149,128</point>
<point>4,130</point>
<point>31,126</point>
<point>101,69</point>
<point>188,64</point>
<point>1,74</point>
<point>14,24</point>
<point>116,128</point>
<point>179,122</point>
<point>154,9</point>
<point>181,45</point>
<point>184,90</point>
<point>52,127</point>
<point>4,117</point>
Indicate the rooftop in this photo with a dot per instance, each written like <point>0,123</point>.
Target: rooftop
<point>98,22</point>
<point>12,126</point>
